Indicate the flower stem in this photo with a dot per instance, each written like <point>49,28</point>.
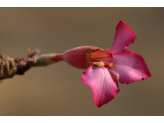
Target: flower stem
<point>48,59</point>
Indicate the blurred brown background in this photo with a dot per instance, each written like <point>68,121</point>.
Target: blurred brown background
<point>57,89</point>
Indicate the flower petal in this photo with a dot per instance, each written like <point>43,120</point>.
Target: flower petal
<point>130,67</point>
<point>124,36</point>
<point>103,84</point>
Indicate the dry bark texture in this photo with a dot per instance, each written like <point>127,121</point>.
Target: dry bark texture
<point>10,67</point>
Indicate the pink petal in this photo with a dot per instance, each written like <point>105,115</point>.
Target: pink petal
<point>103,84</point>
<point>124,36</point>
<point>130,67</point>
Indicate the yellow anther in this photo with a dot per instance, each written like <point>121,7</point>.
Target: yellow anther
<point>99,64</point>
<point>112,65</point>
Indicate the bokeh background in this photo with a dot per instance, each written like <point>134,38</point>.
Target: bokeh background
<point>57,90</point>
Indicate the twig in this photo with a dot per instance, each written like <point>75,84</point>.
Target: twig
<point>10,67</point>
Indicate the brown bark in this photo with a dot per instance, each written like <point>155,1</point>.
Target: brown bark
<point>10,67</point>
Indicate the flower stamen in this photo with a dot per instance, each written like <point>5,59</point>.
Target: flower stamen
<point>112,65</point>
<point>99,64</point>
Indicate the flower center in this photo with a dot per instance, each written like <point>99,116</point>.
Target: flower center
<point>98,58</point>
<point>100,55</point>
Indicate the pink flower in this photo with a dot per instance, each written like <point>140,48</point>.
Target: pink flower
<point>127,65</point>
